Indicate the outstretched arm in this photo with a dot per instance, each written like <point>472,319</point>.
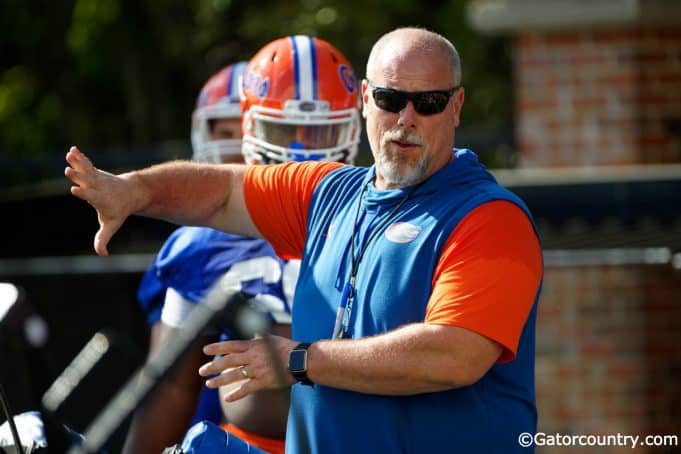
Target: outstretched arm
<point>181,192</point>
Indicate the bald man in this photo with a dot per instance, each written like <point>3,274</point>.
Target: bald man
<point>414,314</point>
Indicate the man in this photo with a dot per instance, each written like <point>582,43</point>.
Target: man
<point>416,302</point>
<point>194,258</point>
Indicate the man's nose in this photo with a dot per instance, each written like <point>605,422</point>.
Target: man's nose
<point>407,116</point>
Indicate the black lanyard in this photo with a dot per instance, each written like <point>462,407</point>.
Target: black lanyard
<point>342,322</point>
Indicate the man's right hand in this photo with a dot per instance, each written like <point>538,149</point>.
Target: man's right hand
<point>114,197</point>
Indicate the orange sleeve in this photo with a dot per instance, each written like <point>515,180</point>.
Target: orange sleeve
<point>278,198</point>
<point>488,275</point>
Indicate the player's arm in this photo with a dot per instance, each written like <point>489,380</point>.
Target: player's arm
<point>186,193</point>
<point>163,418</point>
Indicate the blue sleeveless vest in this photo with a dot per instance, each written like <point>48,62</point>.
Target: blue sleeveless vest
<point>392,289</point>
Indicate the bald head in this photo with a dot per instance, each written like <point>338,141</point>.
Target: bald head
<point>405,42</point>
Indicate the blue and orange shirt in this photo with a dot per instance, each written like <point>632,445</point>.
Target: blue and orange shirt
<point>461,251</point>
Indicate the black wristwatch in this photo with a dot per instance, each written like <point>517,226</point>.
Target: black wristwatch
<point>297,364</point>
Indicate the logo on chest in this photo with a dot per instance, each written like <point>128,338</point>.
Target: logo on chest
<point>402,232</point>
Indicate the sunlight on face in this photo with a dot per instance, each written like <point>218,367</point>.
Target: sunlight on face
<point>397,168</point>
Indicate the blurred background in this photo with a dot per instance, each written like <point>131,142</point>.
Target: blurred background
<point>574,105</point>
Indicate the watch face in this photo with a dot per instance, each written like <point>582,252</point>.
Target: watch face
<point>297,361</point>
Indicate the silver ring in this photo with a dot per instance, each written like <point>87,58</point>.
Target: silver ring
<point>244,372</point>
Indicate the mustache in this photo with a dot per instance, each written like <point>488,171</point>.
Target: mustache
<point>402,135</point>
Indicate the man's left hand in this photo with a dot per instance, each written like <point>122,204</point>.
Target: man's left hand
<point>260,363</point>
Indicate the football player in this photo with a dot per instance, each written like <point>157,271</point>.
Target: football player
<point>300,101</point>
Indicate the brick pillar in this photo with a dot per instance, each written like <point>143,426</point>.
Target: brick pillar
<point>589,98</point>
<point>596,82</point>
<point>591,366</point>
<point>609,351</point>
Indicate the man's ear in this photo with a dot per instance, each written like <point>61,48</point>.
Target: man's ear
<point>457,105</point>
<point>365,97</point>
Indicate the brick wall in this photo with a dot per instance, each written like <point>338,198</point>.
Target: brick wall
<point>595,98</point>
<point>609,352</point>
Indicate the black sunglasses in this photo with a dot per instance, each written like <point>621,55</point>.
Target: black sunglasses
<point>425,102</point>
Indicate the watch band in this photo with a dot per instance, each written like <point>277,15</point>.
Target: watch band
<point>297,356</point>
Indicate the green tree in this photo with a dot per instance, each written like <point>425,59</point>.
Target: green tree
<point>123,74</point>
